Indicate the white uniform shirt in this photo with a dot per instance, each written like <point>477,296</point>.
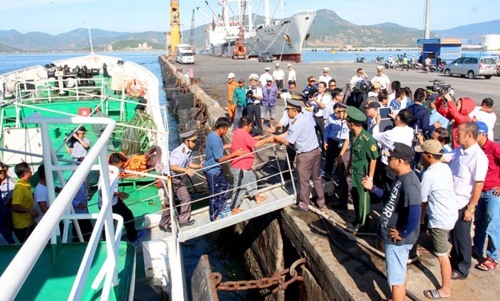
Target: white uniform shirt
<point>324,99</point>
<point>437,189</point>
<point>292,75</point>
<point>114,172</point>
<point>279,75</point>
<point>325,79</point>
<point>263,78</point>
<point>386,139</point>
<point>383,80</point>
<point>467,167</point>
<point>489,118</point>
<point>41,195</point>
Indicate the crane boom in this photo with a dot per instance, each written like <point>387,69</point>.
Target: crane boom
<point>175,28</point>
<point>191,37</point>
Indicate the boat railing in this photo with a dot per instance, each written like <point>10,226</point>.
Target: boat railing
<point>20,267</point>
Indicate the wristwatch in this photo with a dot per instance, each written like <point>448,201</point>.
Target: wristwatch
<point>471,209</point>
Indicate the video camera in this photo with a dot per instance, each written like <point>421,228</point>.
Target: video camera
<point>308,93</point>
<point>70,140</point>
<point>439,86</point>
<point>250,92</point>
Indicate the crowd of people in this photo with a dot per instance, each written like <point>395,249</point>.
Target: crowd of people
<point>431,159</point>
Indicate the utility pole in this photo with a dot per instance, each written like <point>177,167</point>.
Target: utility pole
<point>191,38</point>
<point>427,32</point>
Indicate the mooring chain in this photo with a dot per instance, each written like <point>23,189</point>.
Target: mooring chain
<point>278,279</point>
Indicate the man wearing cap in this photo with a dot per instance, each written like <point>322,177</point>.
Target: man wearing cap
<point>325,77</point>
<point>336,134</point>
<point>469,166</point>
<point>375,90</point>
<point>487,215</point>
<point>435,116</point>
<point>23,204</point>
<point>263,77</point>
<point>278,76</point>
<point>239,101</point>
<point>214,155</point>
<point>312,86</point>
<point>231,86</point>
<point>360,76</point>
<point>268,103</point>
<point>437,203</point>
<point>6,187</point>
<point>181,164</point>
<point>80,146</point>
<point>382,79</point>
<point>254,98</point>
<point>400,218</point>
<point>292,76</point>
<point>308,157</point>
<point>362,163</point>
<point>241,167</point>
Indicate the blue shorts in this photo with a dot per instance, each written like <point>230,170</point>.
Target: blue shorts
<point>396,260</point>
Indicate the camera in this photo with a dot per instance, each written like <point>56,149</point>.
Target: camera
<point>308,93</point>
<point>70,140</point>
<point>249,93</point>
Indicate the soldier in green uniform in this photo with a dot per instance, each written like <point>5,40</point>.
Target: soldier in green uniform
<point>362,163</point>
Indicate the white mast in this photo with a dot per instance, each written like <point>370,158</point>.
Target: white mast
<point>282,5</point>
<point>250,17</point>
<point>225,14</point>
<point>90,39</point>
<point>427,31</point>
<point>266,14</point>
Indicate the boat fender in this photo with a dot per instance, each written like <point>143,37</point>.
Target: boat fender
<point>135,88</point>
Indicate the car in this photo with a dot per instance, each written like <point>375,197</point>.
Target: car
<point>472,66</point>
<point>266,57</point>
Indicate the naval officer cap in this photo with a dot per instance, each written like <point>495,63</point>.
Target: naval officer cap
<point>189,135</point>
<point>3,166</point>
<point>294,104</point>
<point>355,115</point>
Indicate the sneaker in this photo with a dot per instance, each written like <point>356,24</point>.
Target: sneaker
<point>139,236</point>
<point>282,147</point>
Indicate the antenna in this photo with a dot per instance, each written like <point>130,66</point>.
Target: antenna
<point>90,39</point>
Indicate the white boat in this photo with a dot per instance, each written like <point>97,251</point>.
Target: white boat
<point>283,37</point>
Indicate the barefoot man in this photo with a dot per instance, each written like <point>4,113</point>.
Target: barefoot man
<point>241,168</point>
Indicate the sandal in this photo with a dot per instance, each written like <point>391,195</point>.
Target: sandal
<point>488,265</point>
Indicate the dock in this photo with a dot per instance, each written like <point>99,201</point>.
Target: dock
<point>339,266</point>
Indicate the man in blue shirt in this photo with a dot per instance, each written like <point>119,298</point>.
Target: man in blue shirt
<point>435,116</point>
<point>214,155</point>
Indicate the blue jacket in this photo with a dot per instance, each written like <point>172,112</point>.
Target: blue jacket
<point>420,118</point>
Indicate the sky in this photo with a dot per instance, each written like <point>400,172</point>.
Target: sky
<point>59,16</point>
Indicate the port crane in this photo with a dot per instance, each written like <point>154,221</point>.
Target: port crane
<point>240,51</point>
<point>175,27</point>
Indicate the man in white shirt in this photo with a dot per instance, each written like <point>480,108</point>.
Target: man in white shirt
<point>437,202</point>
<point>468,165</point>
<point>486,114</point>
<point>400,133</point>
<point>278,76</point>
<point>382,79</point>
<point>263,76</point>
<point>360,75</point>
<point>292,76</point>
<point>325,77</point>
<point>318,103</point>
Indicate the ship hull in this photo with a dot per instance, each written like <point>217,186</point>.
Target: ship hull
<point>284,38</point>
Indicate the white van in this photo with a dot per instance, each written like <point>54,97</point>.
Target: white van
<point>185,57</point>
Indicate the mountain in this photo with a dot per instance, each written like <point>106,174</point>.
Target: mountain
<point>328,30</point>
<point>473,32</point>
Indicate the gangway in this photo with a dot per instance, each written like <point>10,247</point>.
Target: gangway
<point>279,196</point>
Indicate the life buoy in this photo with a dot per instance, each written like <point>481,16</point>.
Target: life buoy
<point>135,88</point>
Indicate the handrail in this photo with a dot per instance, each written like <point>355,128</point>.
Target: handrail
<point>18,270</point>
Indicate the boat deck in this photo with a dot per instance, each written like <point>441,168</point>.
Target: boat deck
<point>52,277</point>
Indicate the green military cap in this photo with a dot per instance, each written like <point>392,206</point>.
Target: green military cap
<point>355,115</point>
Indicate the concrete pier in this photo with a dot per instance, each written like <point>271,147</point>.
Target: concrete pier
<point>343,269</point>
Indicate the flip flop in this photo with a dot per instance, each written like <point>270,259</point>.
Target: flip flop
<point>433,294</point>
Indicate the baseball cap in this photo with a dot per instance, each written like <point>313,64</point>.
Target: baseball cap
<point>482,127</point>
<point>241,80</point>
<point>432,98</point>
<point>400,151</point>
<point>269,79</point>
<point>430,146</point>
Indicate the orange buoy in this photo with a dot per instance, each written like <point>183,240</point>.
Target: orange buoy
<point>135,88</point>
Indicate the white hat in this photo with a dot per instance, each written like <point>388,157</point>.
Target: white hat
<point>267,68</point>
<point>277,64</point>
<point>326,69</point>
<point>231,75</point>
<point>290,65</point>
<point>253,76</point>
<point>380,68</point>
